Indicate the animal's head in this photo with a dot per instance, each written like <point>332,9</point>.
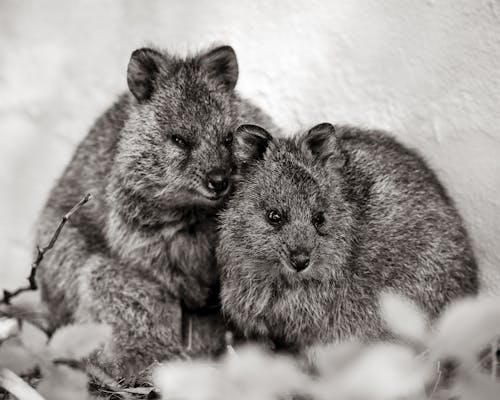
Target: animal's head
<point>286,232</point>
<point>175,148</point>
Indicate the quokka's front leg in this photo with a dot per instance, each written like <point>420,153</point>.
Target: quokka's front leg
<point>146,319</point>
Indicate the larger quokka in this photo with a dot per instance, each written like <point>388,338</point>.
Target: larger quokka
<point>322,223</point>
<point>159,165</point>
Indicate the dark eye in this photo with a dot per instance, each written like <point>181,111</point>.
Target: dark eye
<point>180,142</point>
<point>318,219</point>
<point>274,217</point>
<point>228,140</point>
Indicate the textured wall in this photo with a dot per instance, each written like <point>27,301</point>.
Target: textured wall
<point>429,71</point>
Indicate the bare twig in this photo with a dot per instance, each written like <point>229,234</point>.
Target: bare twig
<point>7,295</point>
<point>15,385</point>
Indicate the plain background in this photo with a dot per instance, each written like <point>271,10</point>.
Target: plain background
<point>428,71</point>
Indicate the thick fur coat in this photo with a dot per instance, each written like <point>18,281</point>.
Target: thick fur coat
<point>140,255</point>
<point>322,223</point>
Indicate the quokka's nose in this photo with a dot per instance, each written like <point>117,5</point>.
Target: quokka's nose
<point>217,181</point>
<point>299,260</point>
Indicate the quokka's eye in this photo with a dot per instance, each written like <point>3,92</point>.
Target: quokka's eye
<point>318,219</point>
<point>274,217</point>
<point>180,142</point>
<point>228,140</point>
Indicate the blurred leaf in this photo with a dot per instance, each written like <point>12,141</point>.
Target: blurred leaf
<point>29,301</point>
<point>78,341</point>
<point>8,327</point>
<point>184,380</point>
<point>403,317</point>
<point>33,338</point>
<point>256,374</point>
<point>63,383</point>
<point>465,328</point>
<point>380,372</point>
<point>28,307</point>
<point>16,358</point>
<point>473,386</point>
<point>329,360</point>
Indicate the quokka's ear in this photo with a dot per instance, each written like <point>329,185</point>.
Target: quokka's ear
<point>143,68</point>
<point>221,66</point>
<point>321,144</point>
<point>250,144</point>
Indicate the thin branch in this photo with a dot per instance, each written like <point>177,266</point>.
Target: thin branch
<point>7,295</point>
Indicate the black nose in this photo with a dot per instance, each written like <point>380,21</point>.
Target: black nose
<point>217,181</point>
<point>299,260</point>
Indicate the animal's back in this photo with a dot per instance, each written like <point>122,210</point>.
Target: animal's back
<point>86,173</point>
<point>409,234</point>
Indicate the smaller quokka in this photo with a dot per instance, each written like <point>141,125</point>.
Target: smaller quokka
<point>321,223</point>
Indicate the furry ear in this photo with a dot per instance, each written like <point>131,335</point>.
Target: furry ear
<point>221,66</point>
<point>250,144</point>
<point>143,67</point>
<point>321,144</point>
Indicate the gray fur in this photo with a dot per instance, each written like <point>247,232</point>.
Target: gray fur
<point>143,248</point>
<point>389,225</point>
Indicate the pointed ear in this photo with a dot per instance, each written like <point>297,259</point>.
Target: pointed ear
<point>250,144</point>
<point>221,66</point>
<point>321,145</point>
<point>143,67</point>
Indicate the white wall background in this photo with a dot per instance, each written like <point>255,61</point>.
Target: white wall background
<point>429,71</point>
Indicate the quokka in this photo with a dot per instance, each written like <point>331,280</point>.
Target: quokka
<point>140,255</point>
<point>321,223</point>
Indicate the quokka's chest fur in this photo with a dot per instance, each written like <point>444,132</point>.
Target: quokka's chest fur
<point>184,247</point>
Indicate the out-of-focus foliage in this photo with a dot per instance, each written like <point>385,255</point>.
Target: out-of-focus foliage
<point>25,348</point>
<point>438,362</point>
<point>434,363</point>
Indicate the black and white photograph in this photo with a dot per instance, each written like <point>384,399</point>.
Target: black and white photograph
<point>253,200</point>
